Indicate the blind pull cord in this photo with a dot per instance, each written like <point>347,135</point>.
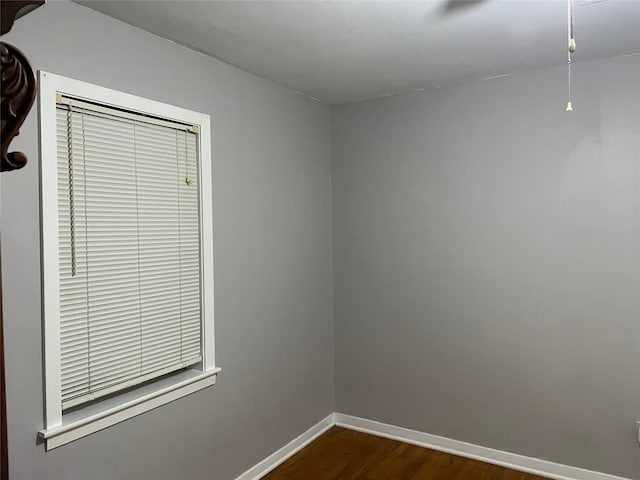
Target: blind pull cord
<point>72,228</point>
<point>187,178</point>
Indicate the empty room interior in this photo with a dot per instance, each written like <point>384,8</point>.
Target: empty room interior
<point>320,240</point>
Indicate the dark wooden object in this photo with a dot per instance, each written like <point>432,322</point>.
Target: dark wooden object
<point>342,454</point>
<point>11,10</point>
<point>18,94</point>
<point>18,86</point>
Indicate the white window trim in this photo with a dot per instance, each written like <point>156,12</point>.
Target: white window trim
<point>58,428</point>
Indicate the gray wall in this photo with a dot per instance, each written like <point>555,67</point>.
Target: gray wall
<point>272,207</point>
<point>486,257</point>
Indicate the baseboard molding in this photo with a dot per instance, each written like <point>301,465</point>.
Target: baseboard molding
<point>272,461</point>
<point>544,468</point>
<point>513,461</point>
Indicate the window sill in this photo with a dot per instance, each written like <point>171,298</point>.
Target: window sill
<point>85,421</point>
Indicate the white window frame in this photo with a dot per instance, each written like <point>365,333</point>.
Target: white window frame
<point>58,428</point>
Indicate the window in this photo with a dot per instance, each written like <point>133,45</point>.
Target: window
<point>127,255</point>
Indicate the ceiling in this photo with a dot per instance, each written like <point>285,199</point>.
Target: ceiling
<point>342,51</point>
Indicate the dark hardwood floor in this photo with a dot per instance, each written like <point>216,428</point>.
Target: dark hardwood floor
<point>342,454</point>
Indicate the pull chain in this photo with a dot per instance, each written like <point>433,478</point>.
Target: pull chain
<point>571,47</point>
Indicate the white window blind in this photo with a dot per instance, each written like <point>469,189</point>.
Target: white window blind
<point>129,249</point>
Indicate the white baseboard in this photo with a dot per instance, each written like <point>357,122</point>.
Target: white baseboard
<point>272,461</point>
<point>513,461</point>
<point>544,468</point>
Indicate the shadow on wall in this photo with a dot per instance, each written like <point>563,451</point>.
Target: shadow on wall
<point>458,6</point>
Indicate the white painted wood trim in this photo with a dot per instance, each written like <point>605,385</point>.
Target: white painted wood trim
<point>272,461</point>
<point>206,243</point>
<point>514,461</point>
<point>49,248</point>
<point>68,432</point>
<point>114,98</point>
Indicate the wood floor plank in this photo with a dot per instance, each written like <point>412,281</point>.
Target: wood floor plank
<point>400,464</point>
<point>342,454</point>
<point>495,472</point>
